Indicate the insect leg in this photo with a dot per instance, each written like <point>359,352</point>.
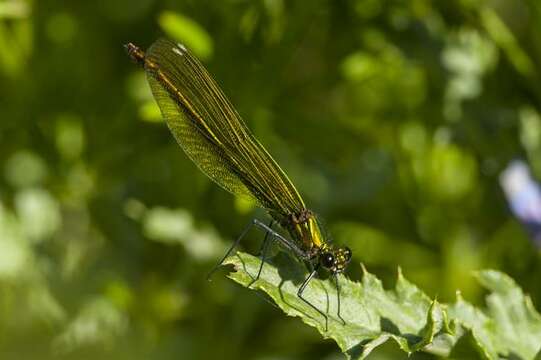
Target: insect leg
<point>282,240</point>
<point>301,290</point>
<point>338,299</point>
<point>263,252</point>
<point>230,250</point>
<point>273,235</point>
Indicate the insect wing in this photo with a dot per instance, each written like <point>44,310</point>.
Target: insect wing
<point>212,133</point>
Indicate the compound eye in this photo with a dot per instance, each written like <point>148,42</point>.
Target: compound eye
<point>327,260</point>
<point>347,253</point>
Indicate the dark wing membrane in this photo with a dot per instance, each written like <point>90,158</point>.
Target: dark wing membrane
<point>211,132</point>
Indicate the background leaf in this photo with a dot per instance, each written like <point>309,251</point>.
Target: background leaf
<point>187,31</point>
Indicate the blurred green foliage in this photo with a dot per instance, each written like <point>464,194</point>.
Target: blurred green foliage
<point>393,118</point>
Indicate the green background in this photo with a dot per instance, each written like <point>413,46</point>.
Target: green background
<point>393,119</point>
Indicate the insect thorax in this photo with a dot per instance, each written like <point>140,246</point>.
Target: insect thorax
<point>304,228</point>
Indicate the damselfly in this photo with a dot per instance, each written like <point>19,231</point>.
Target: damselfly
<point>213,135</point>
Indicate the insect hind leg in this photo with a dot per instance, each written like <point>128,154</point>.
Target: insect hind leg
<point>231,248</point>
<point>269,234</point>
<point>263,251</point>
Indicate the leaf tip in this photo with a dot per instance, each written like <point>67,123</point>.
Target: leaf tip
<point>363,270</point>
<point>399,273</point>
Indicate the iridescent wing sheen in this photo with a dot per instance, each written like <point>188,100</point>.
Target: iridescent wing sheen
<point>212,133</point>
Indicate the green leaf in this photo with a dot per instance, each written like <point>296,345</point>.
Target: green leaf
<point>504,37</point>
<point>467,348</point>
<point>373,315</point>
<point>509,327</point>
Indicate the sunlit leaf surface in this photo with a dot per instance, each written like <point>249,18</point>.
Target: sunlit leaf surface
<point>509,326</point>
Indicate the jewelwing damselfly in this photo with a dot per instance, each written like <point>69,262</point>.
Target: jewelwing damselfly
<point>216,139</point>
